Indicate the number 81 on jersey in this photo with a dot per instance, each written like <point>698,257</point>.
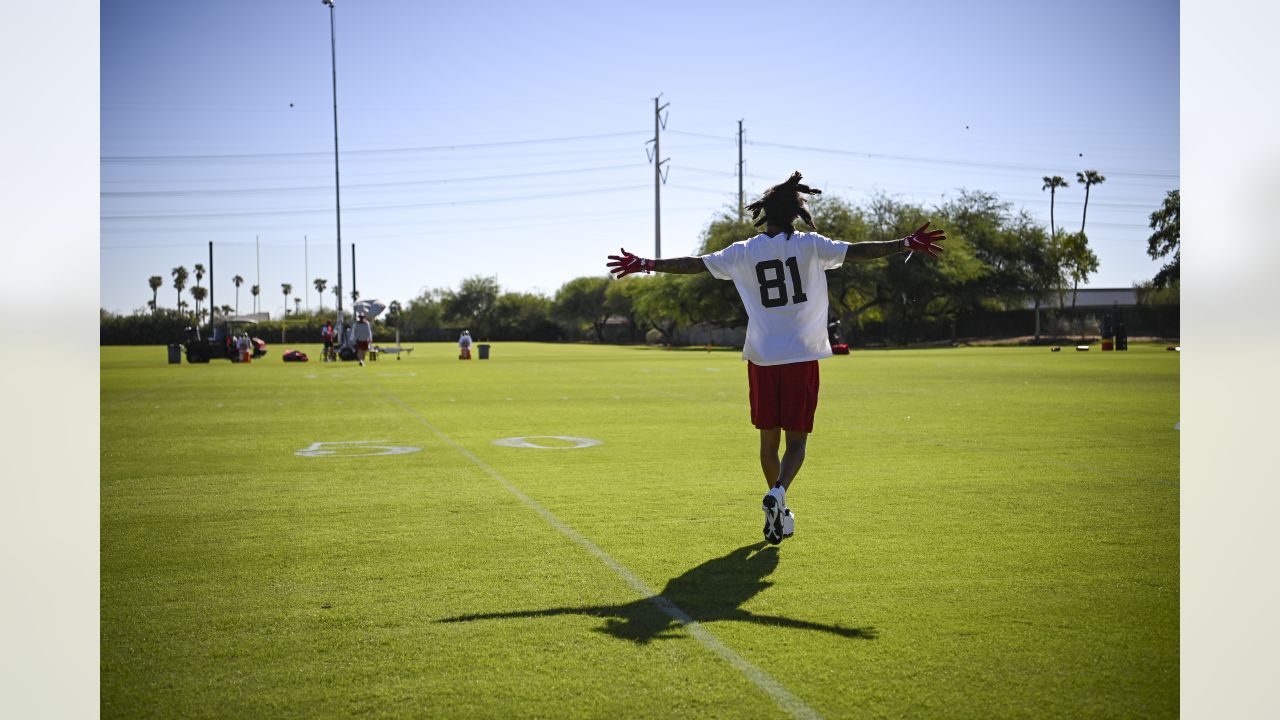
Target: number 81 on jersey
<point>773,282</point>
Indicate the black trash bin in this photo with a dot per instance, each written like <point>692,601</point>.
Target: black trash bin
<point>1122,337</point>
<point>484,351</point>
<point>175,354</point>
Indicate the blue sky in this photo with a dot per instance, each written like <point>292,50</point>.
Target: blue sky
<point>508,139</point>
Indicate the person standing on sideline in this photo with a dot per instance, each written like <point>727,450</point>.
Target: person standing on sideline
<point>362,333</point>
<point>781,278</point>
<point>464,345</point>
<point>326,334</point>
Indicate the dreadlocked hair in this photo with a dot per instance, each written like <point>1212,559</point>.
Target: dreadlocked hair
<point>781,204</point>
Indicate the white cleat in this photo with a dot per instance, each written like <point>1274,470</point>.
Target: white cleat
<point>788,524</point>
<point>776,517</point>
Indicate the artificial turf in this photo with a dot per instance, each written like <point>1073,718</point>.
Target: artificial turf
<point>981,532</point>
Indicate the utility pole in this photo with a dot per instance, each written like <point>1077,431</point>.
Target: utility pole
<point>354,291</point>
<point>739,171</point>
<point>659,122</point>
<point>306,273</point>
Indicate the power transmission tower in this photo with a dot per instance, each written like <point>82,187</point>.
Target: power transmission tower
<point>659,122</point>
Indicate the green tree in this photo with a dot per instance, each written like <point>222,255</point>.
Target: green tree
<point>179,282</point>
<point>988,261</point>
<point>472,304</point>
<point>1088,179</point>
<point>710,300</point>
<point>321,284</point>
<point>1078,261</point>
<point>580,303</point>
<point>618,302</point>
<point>287,289</point>
<point>155,282</point>
<point>423,312</point>
<point>523,316</point>
<point>660,303</point>
<point>855,289</point>
<point>237,281</point>
<point>1166,238</point>
<point>1043,256</point>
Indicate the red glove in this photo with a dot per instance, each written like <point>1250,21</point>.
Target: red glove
<point>626,263</point>
<point>924,241</point>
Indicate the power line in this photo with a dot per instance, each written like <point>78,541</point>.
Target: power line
<point>405,206</point>
<point>325,155</point>
<point>911,158</point>
<point>301,188</point>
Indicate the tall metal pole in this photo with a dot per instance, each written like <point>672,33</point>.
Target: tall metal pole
<point>211,277</point>
<point>306,274</point>
<point>739,171</point>
<point>337,193</point>
<point>354,292</point>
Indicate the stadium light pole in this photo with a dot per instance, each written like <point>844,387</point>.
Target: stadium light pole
<point>337,192</point>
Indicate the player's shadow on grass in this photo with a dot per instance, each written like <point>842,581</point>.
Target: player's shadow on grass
<point>711,592</point>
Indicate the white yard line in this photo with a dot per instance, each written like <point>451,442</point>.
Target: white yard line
<point>783,697</point>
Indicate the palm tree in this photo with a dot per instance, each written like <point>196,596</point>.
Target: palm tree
<point>297,305</point>
<point>199,294</point>
<point>321,284</point>
<point>1088,178</point>
<point>1052,183</point>
<point>198,269</point>
<point>156,282</point>
<point>288,290</point>
<point>355,296</point>
<point>179,282</point>
<point>237,281</point>
<point>255,290</point>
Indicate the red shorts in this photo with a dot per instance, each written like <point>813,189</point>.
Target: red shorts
<point>362,344</point>
<point>784,396</point>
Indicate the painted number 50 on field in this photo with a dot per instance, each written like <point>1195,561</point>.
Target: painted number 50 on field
<point>354,448</point>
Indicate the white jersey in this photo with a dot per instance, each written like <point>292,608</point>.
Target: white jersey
<point>783,285</point>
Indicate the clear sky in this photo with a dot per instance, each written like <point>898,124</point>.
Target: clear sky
<point>508,139</point>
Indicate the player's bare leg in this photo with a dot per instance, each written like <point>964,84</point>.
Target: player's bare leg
<point>779,522</point>
<point>770,441</point>
<point>793,458</point>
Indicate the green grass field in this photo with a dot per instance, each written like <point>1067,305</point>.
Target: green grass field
<point>986,532</point>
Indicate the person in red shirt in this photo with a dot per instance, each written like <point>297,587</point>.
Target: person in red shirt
<point>326,334</point>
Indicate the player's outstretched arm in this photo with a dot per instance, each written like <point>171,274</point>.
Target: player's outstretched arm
<point>922,240</point>
<point>627,263</point>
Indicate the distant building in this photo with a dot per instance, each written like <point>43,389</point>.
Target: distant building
<point>1092,297</point>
